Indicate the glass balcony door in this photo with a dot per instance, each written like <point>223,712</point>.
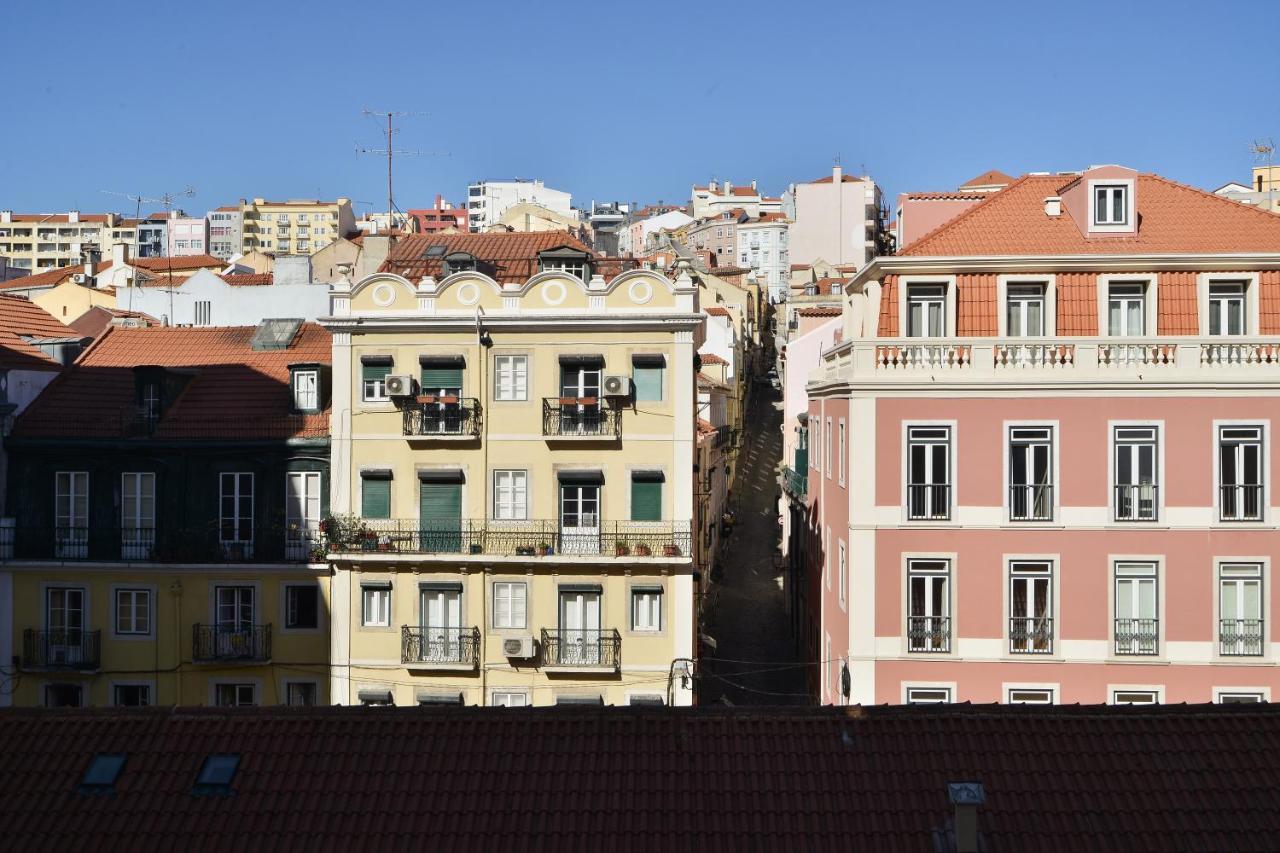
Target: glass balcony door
<point>581,383</point>
<point>440,611</point>
<point>64,619</point>
<point>579,518</point>
<point>579,628</point>
<point>233,622</point>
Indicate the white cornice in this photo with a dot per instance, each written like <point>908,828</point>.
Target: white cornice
<point>548,322</point>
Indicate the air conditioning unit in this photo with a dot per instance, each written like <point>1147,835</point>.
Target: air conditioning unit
<point>79,278</point>
<point>399,386</point>
<point>617,386</point>
<point>518,647</point>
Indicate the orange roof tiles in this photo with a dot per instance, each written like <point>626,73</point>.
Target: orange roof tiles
<point>97,319</point>
<point>844,179</point>
<point>86,218</point>
<point>49,278</point>
<point>20,317</point>
<point>744,191</point>
<point>513,254</point>
<point>988,178</point>
<point>711,358</point>
<point>249,279</point>
<point>231,391</point>
<point>1173,219</point>
<point>187,262</point>
<point>819,312</point>
<point>717,311</point>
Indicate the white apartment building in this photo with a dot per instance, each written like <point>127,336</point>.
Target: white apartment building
<point>835,218</point>
<point>488,200</point>
<point>724,196</point>
<point>764,246</point>
<point>225,231</point>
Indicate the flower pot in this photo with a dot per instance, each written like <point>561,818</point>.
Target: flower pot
<point>568,401</point>
<point>475,548</point>
<point>426,398</point>
<point>621,550</point>
<point>671,550</point>
<point>643,551</point>
<point>449,400</point>
<point>543,550</point>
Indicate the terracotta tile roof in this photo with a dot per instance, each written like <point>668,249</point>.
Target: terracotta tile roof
<point>799,267</point>
<point>994,176</point>
<point>1173,218</point>
<point>711,358</point>
<point>819,312</point>
<point>1059,779</point>
<point>95,321</point>
<point>844,179</point>
<point>18,318</point>
<point>946,195</point>
<point>231,208</point>
<point>189,262</point>
<point>231,391</point>
<point>717,311</point>
<point>49,278</point>
<point>744,191</point>
<point>89,218</point>
<point>249,279</point>
<point>711,383</point>
<point>513,255</point>
<point>729,270</point>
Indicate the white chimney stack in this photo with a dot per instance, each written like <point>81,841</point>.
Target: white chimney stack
<point>73,216</point>
<point>1053,206</point>
<point>728,187</point>
<point>837,175</point>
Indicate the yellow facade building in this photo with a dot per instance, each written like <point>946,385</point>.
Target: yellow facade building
<point>513,484</point>
<point>294,227</point>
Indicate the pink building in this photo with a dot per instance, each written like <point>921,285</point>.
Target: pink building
<point>1040,465</point>
<point>186,235</point>
<point>439,218</point>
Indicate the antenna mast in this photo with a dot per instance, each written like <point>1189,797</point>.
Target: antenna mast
<point>390,151</point>
<point>1264,151</point>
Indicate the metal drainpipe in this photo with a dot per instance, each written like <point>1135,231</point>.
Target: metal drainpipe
<point>175,589</point>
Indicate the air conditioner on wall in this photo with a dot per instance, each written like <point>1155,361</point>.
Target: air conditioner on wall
<point>399,386</point>
<point>518,647</point>
<point>617,386</point>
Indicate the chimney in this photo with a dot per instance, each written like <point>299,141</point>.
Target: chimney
<point>119,254</point>
<point>837,175</point>
<point>728,187</point>
<point>753,185</point>
<point>6,216</point>
<point>439,202</point>
<point>73,216</point>
<point>966,797</point>
<point>1053,206</point>
<point>91,258</point>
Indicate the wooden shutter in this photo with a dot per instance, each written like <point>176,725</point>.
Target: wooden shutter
<point>374,371</point>
<point>375,497</point>
<point>646,500</point>
<point>441,501</point>
<point>437,375</point>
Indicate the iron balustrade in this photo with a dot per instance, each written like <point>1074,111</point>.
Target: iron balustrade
<point>928,633</point>
<point>64,648</point>
<point>231,642</point>
<point>276,543</point>
<point>582,647</point>
<point>444,416</point>
<point>1240,502</point>
<point>928,501</point>
<point>1031,635</point>
<point>439,645</point>
<point>1137,502</point>
<point>533,537</point>
<point>1240,637</point>
<point>1137,636</point>
<point>1030,502</point>
<point>796,482</point>
<point>580,417</point>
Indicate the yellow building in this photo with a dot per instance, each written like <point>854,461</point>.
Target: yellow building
<point>37,242</point>
<point>294,227</point>
<point>512,481</point>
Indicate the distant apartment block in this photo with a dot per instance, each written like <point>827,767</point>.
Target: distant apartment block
<point>294,227</point>
<point>225,231</point>
<point>35,242</point>
<point>439,218</point>
<point>764,247</point>
<point>836,218</point>
<point>1263,192</point>
<point>488,200</point>
<point>719,197</point>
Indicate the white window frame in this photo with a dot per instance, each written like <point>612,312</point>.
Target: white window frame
<point>842,570</point>
<point>138,533</point>
<point>1055,638</point>
<point>908,427</point>
<point>1154,694</point>
<point>498,588</point>
<point>44,694</point>
<point>149,607</point>
<point>1137,571</point>
<point>927,565</point>
<point>253,684</point>
<point>1242,569</point>
<point>1055,472</point>
<point>304,401</point>
<point>1113,452</point>
<point>502,699</point>
<point>149,685</point>
<point>1150,304</point>
<point>381,590</point>
<point>815,433</point>
<point>286,589</point>
<point>518,388</point>
<point>922,693</point>
<point>1030,694</point>
<point>1264,427</point>
<point>1050,285</point>
<point>1130,223</point>
<point>517,510</point>
<point>644,601</point>
<point>826,448</point>
<point>840,460</point>
<point>1262,694</point>
<point>949,310</point>
<point>236,494</point>
<point>289,683</point>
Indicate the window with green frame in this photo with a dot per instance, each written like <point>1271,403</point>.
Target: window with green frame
<point>375,494</point>
<point>647,375</point>
<point>646,496</point>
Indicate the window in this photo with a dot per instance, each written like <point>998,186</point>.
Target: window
<point>1025,310</point>
<point>646,608</point>
<point>1137,617</point>
<point>1029,696</point>
<point>302,693</point>
<point>236,520</point>
<point>511,377</point>
<point>1126,310</point>
<point>133,611</point>
<point>826,449</point>
<point>137,515</point>
<point>508,700</point>
<point>71,513</point>
<point>302,607</point>
<point>926,310</point>
<point>1111,204</point>
<point>63,696</point>
<point>1239,697</point>
<point>646,700</point>
<point>374,380</point>
<point>646,495</point>
<point>375,494</point>
<point>1226,308</point>
<point>377,606</point>
<point>928,473</point>
<point>204,312</point>
<point>1240,486</point>
<point>928,695</point>
<point>511,495</point>
<point>840,461</point>
<point>647,376</point>
<point>217,772</point>
<point>102,773</point>
<point>1240,609</point>
<point>301,513</point>
<point>131,695</point>
<point>1031,608</point>
<point>841,571</point>
<point>509,604</point>
<point>1031,473</point>
<point>306,390</point>
<point>1136,488</point>
<point>235,695</point>
<point>1135,697</point>
<point>376,698</point>
<point>65,624</point>
<point>929,606</point>
<point>816,429</point>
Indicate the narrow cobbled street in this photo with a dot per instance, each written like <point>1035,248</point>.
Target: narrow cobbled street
<point>753,663</point>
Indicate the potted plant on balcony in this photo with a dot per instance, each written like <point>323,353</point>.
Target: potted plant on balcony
<point>569,401</point>
<point>671,549</point>
<point>545,549</point>
<point>447,399</point>
<point>474,548</point>
<point>426,398</point>
<point>621,549</point>
<point>643,550</point>
<point>524,551</point>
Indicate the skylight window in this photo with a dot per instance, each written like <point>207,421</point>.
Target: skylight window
<point>435,251</point>
<point>104,769</point>
<point>216,773</point>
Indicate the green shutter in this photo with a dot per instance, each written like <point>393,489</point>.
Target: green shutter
<point>646,500</point>
<point>648,382</point>
<point>375,497</point>
<point>437,377</point>
<point>440,519</point>
<point>374,371</point>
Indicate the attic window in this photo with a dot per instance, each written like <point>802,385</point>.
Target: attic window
<point>103,771</point>
<point>458,262</point>
<point>216,773</point>
<point>306,389</point>
<point>1110,204</point>
<point>433,252</point>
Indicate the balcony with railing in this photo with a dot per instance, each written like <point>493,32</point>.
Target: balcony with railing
<point>1240,637</point>
<point>928,501</point>
<point>1137,636</point>
<point>67,648</point>
<point>433,647</point>
<point>795,482</point>
<point>580,418</point>
<point>1030,502</point>
<point>288,543</point>
<point>1031,635</point>
<point>441,417</point>
<point>1137,502</point>
<point>1240,502</point>
<point>512,538</point>
<point>929,634</point>
<point>231,643</point>
<point>570,649</point>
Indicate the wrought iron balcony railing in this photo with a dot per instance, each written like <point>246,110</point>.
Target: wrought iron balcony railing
<point>231,642</point>
<point>212,543</point>
<point>1030,502</point>
<point>1137,502</point>
<point>425,644</point>
<point>1240,637</point>
<point>580,647</point>
<point>66,648</point>
<point>929,634</point>
<point>580,417</point>
<point>534,537</point>
<point>1240,502</point>
<point>444,417</point>
<point>1031,635</point>
<point>928,501</point>
<point>1137,636</point>
<point>796,482</point>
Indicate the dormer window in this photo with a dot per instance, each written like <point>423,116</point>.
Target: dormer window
<point>458,262</point>
<point>926,310</point>
<point>566,260</point>
<point>1110,204</point>
<point>149,405</point>
<point>306,389</point>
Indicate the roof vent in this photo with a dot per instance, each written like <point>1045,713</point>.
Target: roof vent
<point>1053,206</point>
<point>966,797</point>
<point>274,334</point>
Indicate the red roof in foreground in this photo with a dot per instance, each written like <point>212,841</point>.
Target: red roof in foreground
<point>1060,779</point>
<point>21,318</point>
<point>513,254</point>
<point>227,389</point>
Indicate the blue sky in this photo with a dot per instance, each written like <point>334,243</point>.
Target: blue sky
<point>633,101</point>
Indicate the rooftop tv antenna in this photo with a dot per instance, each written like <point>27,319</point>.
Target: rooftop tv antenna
<point>1264,152</point>
<point>167,199</point>
<point>391,151</point>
